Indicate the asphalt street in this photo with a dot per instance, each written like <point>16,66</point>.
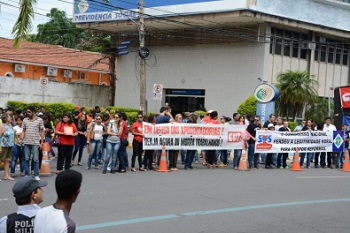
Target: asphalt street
<point>205,200</point>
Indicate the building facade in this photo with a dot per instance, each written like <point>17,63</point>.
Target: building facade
<point>212,54</point>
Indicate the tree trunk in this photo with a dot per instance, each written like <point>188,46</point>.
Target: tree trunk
<point>113,77</point>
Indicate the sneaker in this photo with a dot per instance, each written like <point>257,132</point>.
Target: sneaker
<point>37,178</point>
<point>235,168</point>
<point>87,168</point>
<point>174,169</point>
<point>222,165</point>
<point>317,166</point>
<point>280,167</point>
<point>196,162</point>
<point>80,164</point>
<point>286,167</point>
<point>257,167</point>
<point>97,167</point>
<point>108,168</point>
<point>104,171</point>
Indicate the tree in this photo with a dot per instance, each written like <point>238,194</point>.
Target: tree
<point>248,106</point>
<point>60,30</point>
<point>297,90</point>
<point>319,110</point>
<point>23,24</point>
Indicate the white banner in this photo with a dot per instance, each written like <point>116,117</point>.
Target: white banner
<point>306,141</point>
<point>192,136</point>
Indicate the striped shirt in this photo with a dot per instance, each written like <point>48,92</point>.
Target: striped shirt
<point>32,130</point>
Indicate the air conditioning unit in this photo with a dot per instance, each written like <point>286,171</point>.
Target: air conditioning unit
<point>51,71</point>
<point>311,46</point>
<point>20,68</point>
<point>67,74</point>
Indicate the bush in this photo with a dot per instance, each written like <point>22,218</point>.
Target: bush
<point>292,125</point>
<point>248,106</point>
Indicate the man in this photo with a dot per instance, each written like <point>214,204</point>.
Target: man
<point>32,137</point>
<point>190,153</point>
<point>284,156</point>
<point>328,127</point>
<point>237,152</point>
<point>271,120</point>
<point>252,128</point>
<point>164,117</point>
<point>301,126</point>
<point>206,119</point>
<point>55,218</point>
<point>28,194</point>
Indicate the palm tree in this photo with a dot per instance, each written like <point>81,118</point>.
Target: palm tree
<point>23,25</point>
<point>297,89</point>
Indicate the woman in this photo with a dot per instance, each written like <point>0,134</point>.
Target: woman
<point>137,145</point>
<point>95,133</point>
<point>148,158</point>
<point>66,130</point>
<point>173,154</point>
<point>310,155</point>
<point>241,120</point>
<point>114,131</point>
<point>223,153</point>
<point>80,140</point>
<point>18,149</point>
<point>7,138</point>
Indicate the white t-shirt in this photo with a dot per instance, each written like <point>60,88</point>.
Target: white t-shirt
<point>329,128</point>
<point>98,130</point>
<point>50,219</point>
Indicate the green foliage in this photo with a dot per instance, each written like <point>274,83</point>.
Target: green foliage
<point>55,109</point>
<point>319,110</point>
<point>248,106</point>
<point>113,109</point>
<point>199,112</point>
<point>297,89</point>
<point>292,125</point>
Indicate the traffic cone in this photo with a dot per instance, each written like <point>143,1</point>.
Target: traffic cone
<point>346,165</point>
<point>243,161</point>
<point>296,162</point>
<point>45,165</point>
<point>162,163</point>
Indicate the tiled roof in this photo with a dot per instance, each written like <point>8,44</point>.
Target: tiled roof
<point>51,55</point>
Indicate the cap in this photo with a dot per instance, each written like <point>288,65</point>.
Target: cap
<point>210,111</point>
<point>270,126</point>
<point>77,107</point>
<point>26,185</point>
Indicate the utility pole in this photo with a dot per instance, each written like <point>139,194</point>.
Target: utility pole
<point>142,60</point>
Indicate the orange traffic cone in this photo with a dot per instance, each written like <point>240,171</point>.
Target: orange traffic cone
<point>162,163</point>
<point>45,165</point>
<point>243,162</point>
<point>346,165</point>
<point>296,162</point>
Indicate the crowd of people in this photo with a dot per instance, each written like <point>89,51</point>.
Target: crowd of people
<point>106,138</point>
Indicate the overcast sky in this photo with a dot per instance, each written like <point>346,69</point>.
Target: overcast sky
<point>9,13</point>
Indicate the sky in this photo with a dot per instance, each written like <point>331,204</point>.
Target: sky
<point>9,12</point>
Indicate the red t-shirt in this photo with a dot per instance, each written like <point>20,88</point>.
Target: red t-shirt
<point>137,128</point>
<point>213,121</point>
<point>125,130</point>
<point>65,139</point>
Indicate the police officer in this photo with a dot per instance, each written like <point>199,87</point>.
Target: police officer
<point>28,194</point>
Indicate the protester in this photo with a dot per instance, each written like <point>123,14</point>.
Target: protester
<point>137,143</point>
<point>114,131</point>
<point>283,156</point>
<point>18,149</point>
<point>328,127</point>
<point>66,130</point>
<point>190,153</point>
<point>80,139</point>
<point>33,137</point>
<point>252,128</point>
<point>55,218</point>
<point>268,160</point>
<point>7,141</point>
<point>174,154</point>
<point>148,158</point>
<point>28,195</point>
<point>211,154</point>
<point>95,133</point>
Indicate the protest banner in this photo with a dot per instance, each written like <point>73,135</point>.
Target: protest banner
<point>176,136</point>
<point>306,141</point>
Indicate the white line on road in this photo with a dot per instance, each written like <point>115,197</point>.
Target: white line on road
<point>322,177</point>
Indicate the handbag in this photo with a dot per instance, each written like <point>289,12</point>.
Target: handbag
<point>56,139</point>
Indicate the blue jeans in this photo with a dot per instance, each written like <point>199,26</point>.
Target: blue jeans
<point>79,143</point>
<point>263,157</point>
<point>18,152</point>
<point>123,155</point>
<point>96,146</point>
<point>183,158</point>
<point>282,156</point>
<point>223,156</point>
<point>112,151</point>
<point>252,155</point>
<point>309,157</point>
<point>189,158</point>
<point>237,157</point>
<point>31,150</point>
<point>302,158</point>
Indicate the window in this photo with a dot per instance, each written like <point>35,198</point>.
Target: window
<point>81,75</point>
<point>331,51</point>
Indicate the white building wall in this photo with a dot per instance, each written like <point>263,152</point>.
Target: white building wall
<point>228,73</point>
<point>28,90</point>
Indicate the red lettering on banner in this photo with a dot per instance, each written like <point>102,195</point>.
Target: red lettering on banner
<point>161,129</point>
<point>234,136</point>
<point>214,131</point>
<point>147,129</point>
<point>345,97</point>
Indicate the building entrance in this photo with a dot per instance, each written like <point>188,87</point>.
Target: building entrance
<point>185,100</point>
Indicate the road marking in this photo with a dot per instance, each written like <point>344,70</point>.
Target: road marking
<point>225,210</point>
<point>322,177</point>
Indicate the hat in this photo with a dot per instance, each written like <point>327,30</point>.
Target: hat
<point>77,107</point>
<point>26,185</point>
<point>270,126</point>
<point>187,114</point>
<point>210,111</point>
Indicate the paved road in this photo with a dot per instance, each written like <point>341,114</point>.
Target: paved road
<point>203,200</point>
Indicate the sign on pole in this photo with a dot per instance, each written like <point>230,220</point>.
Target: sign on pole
<point>157,91</point>
<point>44,82</point>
